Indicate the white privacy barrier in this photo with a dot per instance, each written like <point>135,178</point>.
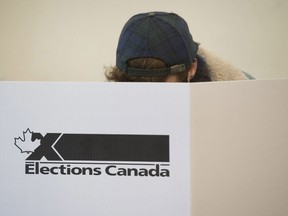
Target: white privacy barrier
<point>144,149</point>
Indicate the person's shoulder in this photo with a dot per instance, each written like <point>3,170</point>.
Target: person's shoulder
<point>248,76</point>
<point>220,69</point>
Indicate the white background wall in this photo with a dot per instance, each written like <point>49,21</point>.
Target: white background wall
<point>72,40</point>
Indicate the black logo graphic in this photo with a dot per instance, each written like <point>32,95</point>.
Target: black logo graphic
<point>86,154</point>
<point>94,147</point>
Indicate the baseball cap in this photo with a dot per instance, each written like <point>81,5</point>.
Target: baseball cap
<point>160,35</point>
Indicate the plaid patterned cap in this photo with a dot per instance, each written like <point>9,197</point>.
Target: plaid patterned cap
<point>159,35</point>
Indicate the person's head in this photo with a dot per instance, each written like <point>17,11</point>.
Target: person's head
<point>155,47</point>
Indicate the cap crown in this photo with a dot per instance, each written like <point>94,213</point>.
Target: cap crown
<point>159,35</point>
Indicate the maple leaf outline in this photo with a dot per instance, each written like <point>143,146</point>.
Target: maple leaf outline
<point>25,144</point>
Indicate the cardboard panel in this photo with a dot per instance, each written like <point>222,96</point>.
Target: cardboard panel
<point>94,149</point>
<point>144,149</point>
<point>240,148</point>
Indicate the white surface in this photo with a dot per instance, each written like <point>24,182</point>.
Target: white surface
<point>96,109</point>
<point>240,148</point>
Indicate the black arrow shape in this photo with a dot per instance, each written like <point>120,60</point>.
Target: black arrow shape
<point>99,147</point>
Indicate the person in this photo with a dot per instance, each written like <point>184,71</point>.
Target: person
<point>158,47</point>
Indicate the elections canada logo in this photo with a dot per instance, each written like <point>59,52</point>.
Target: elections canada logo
<point>94,154</point>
